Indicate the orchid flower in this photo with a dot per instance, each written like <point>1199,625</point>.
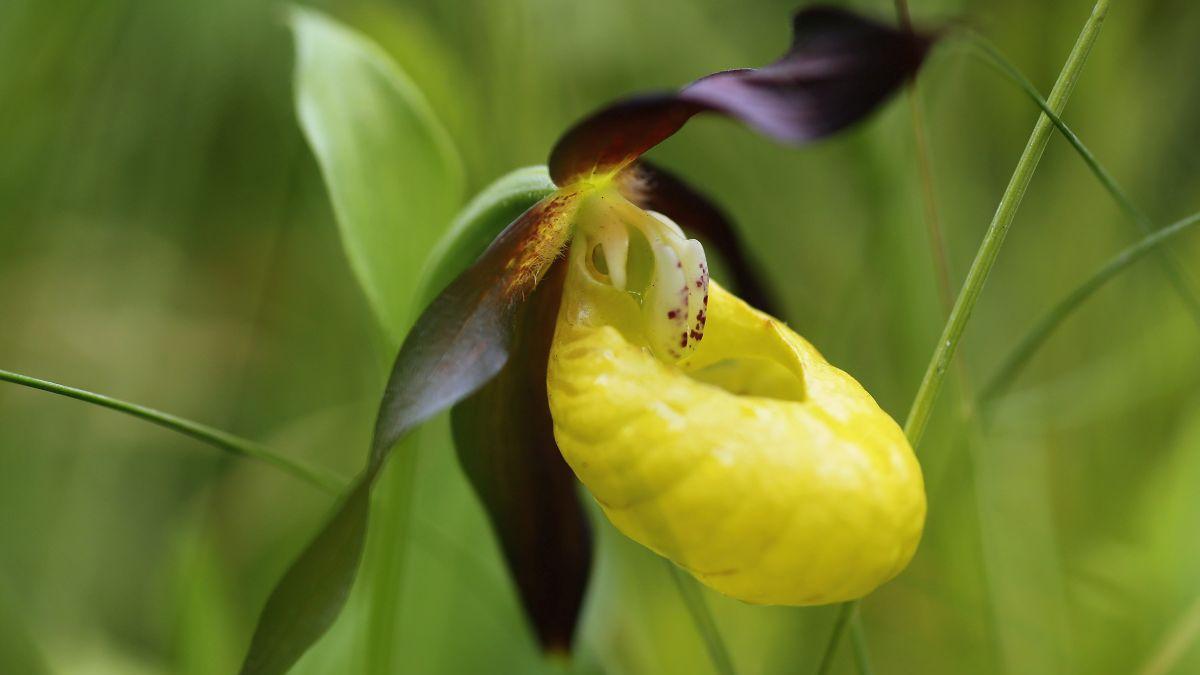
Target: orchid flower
<point>589,341</point>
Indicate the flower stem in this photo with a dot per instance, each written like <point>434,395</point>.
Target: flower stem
<point>993,239</point>
<point>703,619</point>
<point>1029,344</point>
<point>317,477</point>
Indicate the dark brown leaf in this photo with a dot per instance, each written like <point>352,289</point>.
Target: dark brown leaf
<point>505,442</point>
<point>840,67</point>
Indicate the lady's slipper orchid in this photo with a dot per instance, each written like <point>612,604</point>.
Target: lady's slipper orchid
<point>706,430</point>
<point>714,435</point>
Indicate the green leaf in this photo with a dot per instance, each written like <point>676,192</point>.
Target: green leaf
<point>393,176</point>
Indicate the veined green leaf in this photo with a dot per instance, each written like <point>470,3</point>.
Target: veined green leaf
<point>393,175</point>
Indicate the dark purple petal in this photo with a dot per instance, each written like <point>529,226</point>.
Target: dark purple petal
<point>505,441</point>
<point>616,135</point>
<point>840,67</point>
<point>654,188</point>
<point>458,343</point>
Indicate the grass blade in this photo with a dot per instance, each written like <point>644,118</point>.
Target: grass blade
<point>317,477</point>
<point>993,239</point>
<point>1175,272</point>
<point>1042,330</point>
<point>393,175</point>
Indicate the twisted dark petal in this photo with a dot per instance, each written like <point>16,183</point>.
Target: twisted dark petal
<point>616,135</point>
<point>654,188</point>
<point>505,442</point>
<point>839,68</point>
<point>458,343</point>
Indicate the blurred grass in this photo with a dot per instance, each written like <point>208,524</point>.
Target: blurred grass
<point>165,237</point>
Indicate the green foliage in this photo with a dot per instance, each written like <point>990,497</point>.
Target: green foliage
<point>386,159</point>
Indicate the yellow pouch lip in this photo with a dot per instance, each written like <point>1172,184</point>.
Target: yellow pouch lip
<point>810,498</point>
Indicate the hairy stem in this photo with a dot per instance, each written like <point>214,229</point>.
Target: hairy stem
<point>317,477</point>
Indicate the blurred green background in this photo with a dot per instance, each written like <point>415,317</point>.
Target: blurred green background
<point>165,237</point>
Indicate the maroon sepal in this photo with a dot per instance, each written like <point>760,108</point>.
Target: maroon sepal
<point>505,442</point>
<point>840,67</point>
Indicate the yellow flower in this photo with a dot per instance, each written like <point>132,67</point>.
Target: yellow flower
<point>769,474</point>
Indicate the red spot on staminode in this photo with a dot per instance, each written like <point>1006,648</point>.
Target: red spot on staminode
<point>672,314</point>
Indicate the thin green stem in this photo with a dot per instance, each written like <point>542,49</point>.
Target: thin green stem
<point>319,478</point>
<point>1174,271</point>
<point>835,637</point>
<point>702,618</point>
<point>1029,344</point>
<point>993,239</point>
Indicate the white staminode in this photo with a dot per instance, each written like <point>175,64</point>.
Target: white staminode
<point>675,298</point>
